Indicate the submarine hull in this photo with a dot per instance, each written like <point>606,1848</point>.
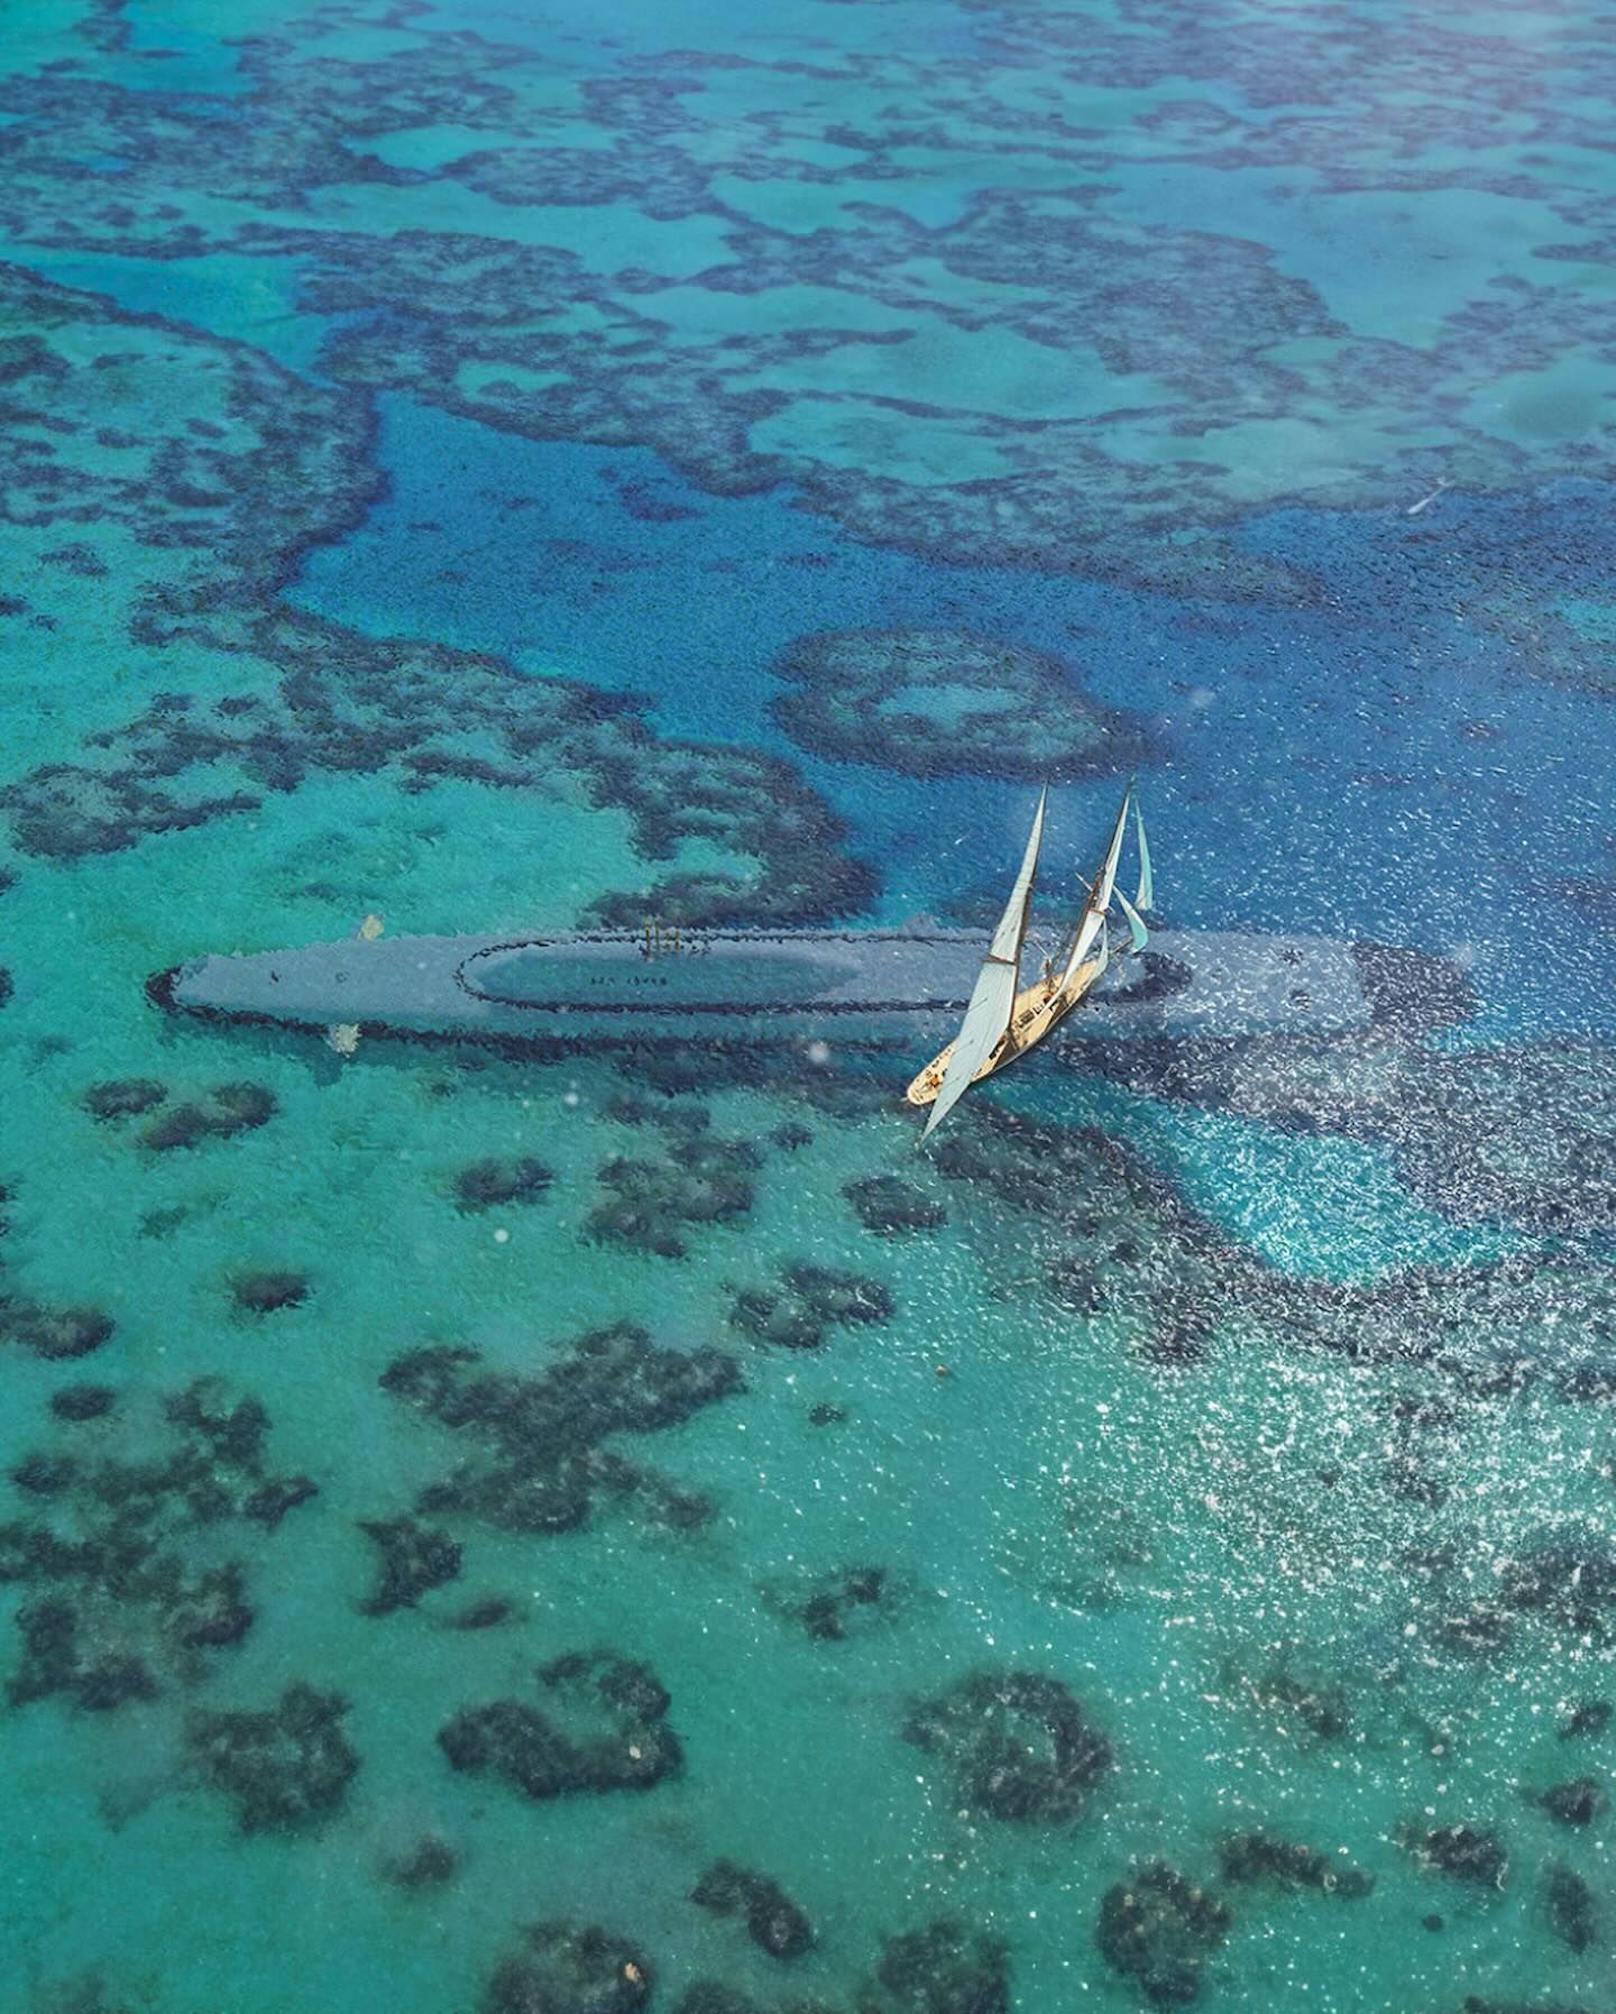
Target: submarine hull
<point>869,987</point>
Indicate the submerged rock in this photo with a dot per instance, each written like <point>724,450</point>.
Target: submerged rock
<point>601,1725</point>
<point>1160,1929</point>
<point>285,1768</point>
<point>1020,1745</point>
<point>83,1402</point>
<point>773,1921</point>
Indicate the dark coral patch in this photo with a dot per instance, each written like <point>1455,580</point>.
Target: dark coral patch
<point>83,1402</point>
<point>562,1968</point>
<point>285,1768</point>
<point>945,1968</point>
<point>117,1603</point>
<point>54,1333</point>
<point>601,1726</point>
<point>1248,1857</point>
<point>932,702</point>
<point>539,1464</point>
<point>1160,1929</point>
<point>124,1097</point>
<point>1020,1745</point>
<point>222,1113</point>
<point>653,1205</point>
<point>1577,1802</point>
<point>499,1180</point>
<point>812,1300</point>
<point>430,1863</point>
<point>1471,1853</point>
<point>1572,1908</point>
<point>843,1602</point>
<point>415,1558</point>
<point>888,1206</point>
<point>265,1293</point>
<point>775,1923</point>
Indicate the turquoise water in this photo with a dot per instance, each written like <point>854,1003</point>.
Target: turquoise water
<point>448,453</point>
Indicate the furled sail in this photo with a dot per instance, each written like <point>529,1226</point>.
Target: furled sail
<point>1092,921</point>
<point>1145,900</point>
<point>993,997</point>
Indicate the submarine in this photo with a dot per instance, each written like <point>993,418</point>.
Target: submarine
<point>859,986</point>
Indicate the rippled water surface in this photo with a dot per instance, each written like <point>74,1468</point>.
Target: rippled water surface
<point>488,1534</point>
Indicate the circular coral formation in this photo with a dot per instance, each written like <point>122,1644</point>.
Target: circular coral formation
<point>1020,1745</point>
<point>936,702</point>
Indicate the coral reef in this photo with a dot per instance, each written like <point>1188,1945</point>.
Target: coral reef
<point>928,702</point>
<point>890,1206</point>
<point>812,1300</point>
<point>539,1463</point>
<point>430,1863</point>
<point>1572,1909</point>
<point>1019,1744</point>
<point>415,1558</point>
<point>1247,1857</point>
<point>652,1204</point>
<point>500,1180</point>
<point>286,1768</point>
<point>564,1968</point>
<point>1471,1853</point>
<point>775,1924</point>
<point>264,1293</point>
<point>222,1113</point>
<point>842,1602</point>
<point>602,1726</point>
<point>1576,1802</point>
<point>126,1585</point>
<point>1160,1929</point>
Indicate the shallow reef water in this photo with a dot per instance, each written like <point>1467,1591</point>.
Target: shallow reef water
<point>486,1534</point>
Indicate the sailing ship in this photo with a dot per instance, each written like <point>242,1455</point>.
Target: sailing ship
<point>1003,1020</point>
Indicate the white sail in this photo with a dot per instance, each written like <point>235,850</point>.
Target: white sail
<point>1138,935</point>
<point>1146,898</point>
<point>1099,896</point>
<point>993,997</point>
